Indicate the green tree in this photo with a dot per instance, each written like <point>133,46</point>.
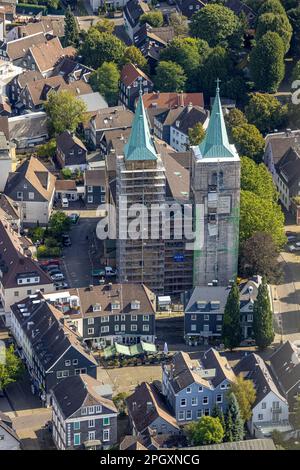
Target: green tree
<point>258,179</point>
<point>235,118</point>
<point>47,150</point>
<point>216,24</point>
<point>231,330</point>
<point>217,64</point>
<point>179,23</point>
<point>217,412</point>
<point>105,26</point>
<point>296,71</point>
<point>245,394</point>
<point>106,80</point>
<point>169,77</point>
<point>207,430</point>
<point>196,134</point>
<point>71,29</point>
<point>65,111</point>
<point>133,55</point>
<point>97,48</point>
<point>277,24</point>
<point>272,6</point>
<point>263,330</point>
<point>153,18</point>
<point>261,215</point>
<point>248,141</point>
<point>267,62</point>
<point>265,112</point>
<point>294,18</point>
<point>59,223</point>
<point>11,367</point>
<point>259,255</point>
<point>233,420</point>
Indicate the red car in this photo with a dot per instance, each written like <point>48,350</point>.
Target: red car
<point>50,261</point>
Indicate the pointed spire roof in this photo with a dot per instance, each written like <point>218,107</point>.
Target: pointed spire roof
<point>216,143</point>
<point>140,144</point>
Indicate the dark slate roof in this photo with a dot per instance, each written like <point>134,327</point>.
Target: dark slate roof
<point>134,9</point>
<point>189,7</point>
<point>280,143</point>
<point>188,117</point>
<point>207,295</point>
<point>239,7</point>
<point>48,334</point>
<point>66,142</point>
<point>288,167</point>
<point>254,368</point>
<point>285,363</point>
<point>77,391</point>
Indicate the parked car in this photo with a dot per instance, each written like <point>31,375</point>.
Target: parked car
<point>66,240</point>
<point>294,248</point>
<point>74,218</point>
<point>291,238</point>
<point>54,271</point>
<point>57,277</point>
<point>61,285</point>
<point>51,266</point>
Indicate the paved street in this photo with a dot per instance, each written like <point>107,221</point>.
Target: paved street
<point>84,254</point>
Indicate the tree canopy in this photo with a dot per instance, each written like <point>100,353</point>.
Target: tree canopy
<point>259,255</point>
<point>278,24</point>
<point>11,367</point>
<point>234,423</point>
<point>248,141</point>
<point>106,80</point>
<point>231,330</point>
<point>169,77</point>
<point>179,23</point>
<point>217,64</point>
<point>265,112</point>
<point>216,24</point>
<point>263,330</point>
<point>207,430</point>
<point>245,394</point>
<point>71,29</point>
<point>100,47</point>
<point>271,6</point>
<point>65,111</point>
<point>59,223</point>
<point>153,18</point>
<point>267,62</point>
<point>105,26</point>
<point>196,134</point>
<point>133,55</point>
<point>258,179</point>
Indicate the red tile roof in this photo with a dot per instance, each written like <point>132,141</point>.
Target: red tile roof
<point>172,100</point>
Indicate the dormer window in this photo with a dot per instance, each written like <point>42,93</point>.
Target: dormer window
<point>201,304</point>
<point>177,124</point>
<point>135,304</point>
<point>97,308</point>
<point>215,305</point>
<point>115,305</point>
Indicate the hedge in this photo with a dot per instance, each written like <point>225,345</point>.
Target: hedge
<point>31,8</point>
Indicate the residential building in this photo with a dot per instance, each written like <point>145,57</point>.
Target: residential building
<point>132,12</point>
<point>204,311</point>
<point>5,160</point>
<point>67,189</point>
<point>192,387</point>
<point>94,183</point>
<point>49,344</point>
<point>103,315</point>
<point>71,152</point>
<point>147,410</point>
<point>140,179</point>
<point>33,187</point>
<point>7,72</point>
<point>96,4</point>
<point>215,186</point>
<point>10,212</point>
<point>46,25</point>
<point>35,92</point>
<point>28,130</point>
<point>15,51</point>
<point>19,82</point>
<point>20,275</point>
<point>82,416</point>
<point>44,56</point>
<point>8,437</point>
<point>132,80</point>
<point>270,411</point>
<point>172,100</point>
<point>93,102</point>
<point>113,118</point>
<point>72,71</point>
<point>189,7</point>
<point>285,366</point>
<point>241,8</point>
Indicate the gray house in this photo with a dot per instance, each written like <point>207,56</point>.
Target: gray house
<point>8,437</point>
<point>193,387</point>
<point>83,416</point>
<point>94,182</point>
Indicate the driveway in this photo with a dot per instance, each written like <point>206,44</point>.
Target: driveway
<point>84,255</point>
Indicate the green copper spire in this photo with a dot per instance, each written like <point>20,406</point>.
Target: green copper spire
<point>140,144</point>
<point>216,143</point>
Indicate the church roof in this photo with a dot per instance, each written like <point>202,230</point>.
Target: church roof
<point>140,144</point>
<point>215,143</point>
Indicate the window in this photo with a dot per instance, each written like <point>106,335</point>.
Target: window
<point>77,439</point>
<point>92,435</point>
<point>105,435</point>
<point>206,317</point>
<point>123,327</point>
<point>145,327</point>
<point>193,327</point>
<point>193,317</point>
<point>98,408</point>
<point>194,401</point>
<point>29,292</point>
<point>75,362</point>
<point>76,425</point>
<point>181,416</point>
<point>205,401</point>
<point>133,317</point>
<point>19,195</point>
<point>117,317</point>
<point>106,421</point>
<point>16,293</point>
<point>90,189</point>
<point>105,319</point>
<point>90,199</point>
<point>91,410</point>
<point>104,329</point>
<point>91,321</point>
<point>219,317</point>
<point>206,412</point>
<point>31,195</point>
<point>83,411</point>
<point>200,389</point>
<point>260,417</point>
<point>188,390</point>
<point>134,327</point>
<point>122,317</point>
<point>145,317</point>
<point>183,402</point>
<point>219,398</point>
<point>91,423</point>
<point>67,363</point>
<point>189,414</point>
<point>199,413</point>
<point>91,331</point>
<point>219,328</point>
<point>117,328</point>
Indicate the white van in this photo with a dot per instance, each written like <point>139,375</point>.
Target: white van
<point>64,202</point>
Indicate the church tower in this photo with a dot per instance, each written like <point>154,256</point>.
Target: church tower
<point>215,187</point>
<point>140,180</point>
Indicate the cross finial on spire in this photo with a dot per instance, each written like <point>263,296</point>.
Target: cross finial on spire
<point>218,85</point>
<point>141,89</point>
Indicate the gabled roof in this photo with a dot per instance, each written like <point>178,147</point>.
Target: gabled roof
<point>145,405</point>
<point>19,48</point>
<point>134,9</point>
<point>67,141</point>
<point>46,55</point>
<point>130,73</point>
<point>74,392</point>
<point>172,100</point>
<point>285,363</point>
<point>288,167</point>
<point>140,145</point>
<point>215,143</point>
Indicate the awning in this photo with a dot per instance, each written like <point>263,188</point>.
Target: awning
<point>122,349</point>
<point>110,351</point>
<point>136,349</point>
<point>148,347</point>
